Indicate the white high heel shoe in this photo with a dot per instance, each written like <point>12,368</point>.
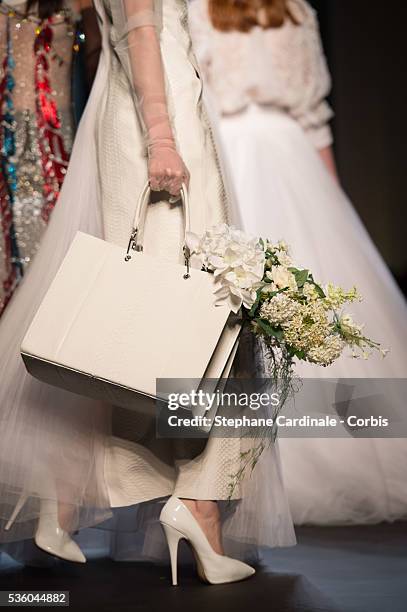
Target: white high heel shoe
<point>49,536</point>
<point>179,523</point>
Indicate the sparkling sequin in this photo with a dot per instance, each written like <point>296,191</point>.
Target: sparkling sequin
<point>29,224</point>
<point>33,160</point>
<point>12,271</point>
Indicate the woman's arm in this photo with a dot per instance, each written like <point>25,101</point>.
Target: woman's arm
<point>314,113</point>
<point>136,24</point>
<point>328,158</point>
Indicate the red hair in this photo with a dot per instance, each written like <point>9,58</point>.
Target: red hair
<point>243,15</point>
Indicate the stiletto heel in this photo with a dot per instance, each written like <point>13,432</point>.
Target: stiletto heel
<point>20,503</point>
<point>173,537</point>
<point>178,523</point>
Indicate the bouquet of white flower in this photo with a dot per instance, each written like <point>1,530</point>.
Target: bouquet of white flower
<point>287,308</point>
<point>291,314</point>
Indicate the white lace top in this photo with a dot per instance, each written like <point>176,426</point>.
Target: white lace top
<point>283,67</point>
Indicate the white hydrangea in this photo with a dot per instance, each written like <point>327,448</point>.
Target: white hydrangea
<point>279,309</point>
<point>327,352</point>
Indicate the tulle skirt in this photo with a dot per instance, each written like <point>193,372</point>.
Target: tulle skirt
<point>285,192</point>
<point>53,443</point>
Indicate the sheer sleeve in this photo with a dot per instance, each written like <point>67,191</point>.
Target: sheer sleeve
<point>315,113</point>
<point>135,37</point>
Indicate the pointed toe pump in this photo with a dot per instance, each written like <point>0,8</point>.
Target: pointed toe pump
<point>178,523</point>
<point>54,540</point>
<point>49,536</point>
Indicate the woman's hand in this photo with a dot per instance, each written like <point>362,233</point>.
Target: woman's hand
<point>166,169</point>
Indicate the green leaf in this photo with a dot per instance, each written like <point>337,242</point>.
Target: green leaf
<point>296,353</point>
<point>269,330</point>
<point>301,276</point>
<point>319,290</point>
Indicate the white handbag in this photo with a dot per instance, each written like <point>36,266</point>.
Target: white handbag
<point>90,339</point>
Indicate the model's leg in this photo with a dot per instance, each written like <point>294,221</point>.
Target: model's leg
<point>66,516</point>
<point>206,479</point>
<point>206,512</point>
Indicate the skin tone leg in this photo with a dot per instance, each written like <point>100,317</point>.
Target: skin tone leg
<point>206,512</point>
<point>65,514</point>
<point>66,511</point>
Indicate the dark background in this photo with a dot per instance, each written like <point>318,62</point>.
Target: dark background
<point>365,44</point>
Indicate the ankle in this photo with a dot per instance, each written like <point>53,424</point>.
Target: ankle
<point>205,509</point>
<point>207,514</point>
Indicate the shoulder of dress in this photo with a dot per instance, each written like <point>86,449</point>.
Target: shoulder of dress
<point>303,11</point>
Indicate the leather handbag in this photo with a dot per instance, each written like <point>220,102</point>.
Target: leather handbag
<point>113,322</point>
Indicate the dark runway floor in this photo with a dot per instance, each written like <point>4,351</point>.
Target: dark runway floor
<point>352,569</point>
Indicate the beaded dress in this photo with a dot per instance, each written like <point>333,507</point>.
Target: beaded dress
<point>36,130</point>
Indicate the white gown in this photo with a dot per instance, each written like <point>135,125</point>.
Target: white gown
<point>99,456</point>
<point>269,87</point>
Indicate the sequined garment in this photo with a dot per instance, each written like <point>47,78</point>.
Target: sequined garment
<point>36,131</point>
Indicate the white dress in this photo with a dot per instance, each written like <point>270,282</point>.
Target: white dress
<point>103,457</point>
<point>269,87</point>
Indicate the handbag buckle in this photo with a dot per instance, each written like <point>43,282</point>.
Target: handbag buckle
<point>133,246</point>
<point>187,257</point>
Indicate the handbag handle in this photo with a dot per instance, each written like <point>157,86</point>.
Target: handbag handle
<point>135,241</point>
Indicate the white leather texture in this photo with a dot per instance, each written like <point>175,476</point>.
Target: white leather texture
<point>161,326</point>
